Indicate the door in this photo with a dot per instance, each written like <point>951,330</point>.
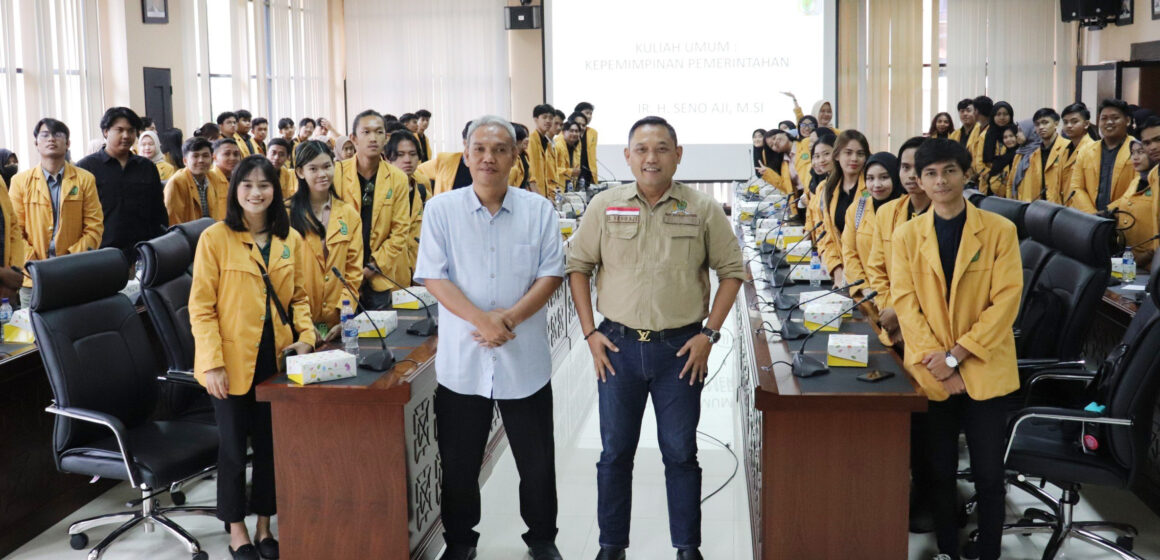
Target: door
<point>159,97</point>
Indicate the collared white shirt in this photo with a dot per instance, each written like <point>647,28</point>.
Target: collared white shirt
<point>493,260</point>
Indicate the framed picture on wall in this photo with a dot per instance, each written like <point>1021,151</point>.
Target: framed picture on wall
<point>155,11</point>
<point>1155,9</point>
<point>1126,15</point>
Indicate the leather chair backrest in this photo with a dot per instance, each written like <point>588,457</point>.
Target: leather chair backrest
<point>1013,210</point>
<point>93,344</point>
<point>1060,307</point>
<point>192,231</point>
<point>1132,388</point>
<point>1084,237</point>
<point>165,287</point>
<point>974,196</point>
<point>1034,256</point>
<point>1037,219</point>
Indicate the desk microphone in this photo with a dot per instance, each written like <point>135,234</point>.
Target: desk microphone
<point>1146,241</point>
<point>380,360</point>
<point>785,280</point>
<point>793,331</point>
<point>426,327</point>
<point>807,366</point>
<point>785,301</point>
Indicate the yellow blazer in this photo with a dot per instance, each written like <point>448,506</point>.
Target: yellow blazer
<point>227,302</point>
<point>802,161</point>
<point>15,247</point>
<point>82,221</point>
<point>1044,182</point>
<point>566,159</point>
<point>391,226</point>
<point>542,165</point>
<point>983,303</point>
<point>589,139</point>
<point>1069,165</point>
<point>987,184</point>
<point>441,169</point>
<point>165,169</point>
<point>878,267</point>
<point>1138,216</point>
<point>344,249</point>
<point>1085,177</point>
<point>780,178</point>
<point>831,245</point>
<point>242,144</point>
<point>288,180</point>
<point>858,240</point>
<point>416,207</point>
<point>184,203</point>
<point>975,147</point>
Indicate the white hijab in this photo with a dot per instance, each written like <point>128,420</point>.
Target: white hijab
<point>158,156</point>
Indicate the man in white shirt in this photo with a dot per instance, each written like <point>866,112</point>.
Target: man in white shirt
<point>492,256</point>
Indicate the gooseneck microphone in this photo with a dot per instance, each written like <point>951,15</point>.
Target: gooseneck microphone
<point>807,366</point>
<point>785,301</point>
<point>379,360</point>
<point>426,327</point>
<point>794,331</point>
<point>784,280</point>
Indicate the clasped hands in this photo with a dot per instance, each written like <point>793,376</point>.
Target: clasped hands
<point>494,328</point>
<point>951,379</point>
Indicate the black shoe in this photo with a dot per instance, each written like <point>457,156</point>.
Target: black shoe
<point>458,552</point>
<point>544,551</point>
<point>244,552</point>
<point>268,548</point>
<point>609,553</point>
<point>689,554</point>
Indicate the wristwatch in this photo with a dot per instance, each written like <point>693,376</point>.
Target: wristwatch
<point>952,361</point>
<point>713,335</point>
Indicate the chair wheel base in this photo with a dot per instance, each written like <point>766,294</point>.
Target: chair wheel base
<point>1126,542</point>
<point>78,541</point>
<point>970,550</point>
<point>202,555</point>
<point>178,498</point>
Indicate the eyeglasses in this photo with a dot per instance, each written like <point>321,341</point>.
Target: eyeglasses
<point>45,135</point>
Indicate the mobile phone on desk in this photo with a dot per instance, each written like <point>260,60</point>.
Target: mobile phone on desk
<point>875,375</point>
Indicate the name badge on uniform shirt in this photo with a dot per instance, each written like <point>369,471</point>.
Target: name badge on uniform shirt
<point>622,215</point>
<point>682,218</point>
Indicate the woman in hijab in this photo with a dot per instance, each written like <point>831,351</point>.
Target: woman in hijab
<point>758,144</point>
<point>1001,165</point>
<point>345,148</point>
<point>882,186</point>
<point>149,146</point>
<point>1029,141</point>
<point>1002,115</point>
<point>824,111</point>
<point>8,165</point>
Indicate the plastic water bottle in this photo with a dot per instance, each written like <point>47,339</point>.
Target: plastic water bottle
<point>5,316</point>
<point>349,329</point>
<point>1129,267</point>
<point>815,269</point>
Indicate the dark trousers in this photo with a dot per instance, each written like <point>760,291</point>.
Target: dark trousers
<point>463,423</point>
<point>985,423</point>
<point>646,369</point>
<point>241,418</point>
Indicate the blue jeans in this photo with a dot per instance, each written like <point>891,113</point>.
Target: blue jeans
<point>644,369</point>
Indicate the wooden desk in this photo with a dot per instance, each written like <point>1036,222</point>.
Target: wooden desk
<point>827,458</point>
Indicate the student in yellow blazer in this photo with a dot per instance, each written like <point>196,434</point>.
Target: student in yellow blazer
<point>226,156</point>
<point>261,132</point>
<point>331,231</point>
<point>1045,165</point>
<point>149,147</point>
<point>569,149</point>
<point>983,107</point>
<point>887,219</point>
<point>542,154</point>
<point>15,248</point>
<point>446,170</point>
<point>1087,175</point>
<point>246,143</point>
<point>1076,121</point>
<point>1001,169</point>
<point>844,186</point>
<point>378,191</point>
<point>956,289</point>
<point>966,109</point>
<point>182,192</point>
<point>775,164</point>
<point>278,152</point>
<point>801,152</point>
<point>992,147</point>
<point>1138,209</point>
<point>588,138</point>
<point>239,334</point>
<point>424,121</point>
<point>882,186</point>
<point>402,151</point>
<point>520,176</point>
<point>80,222</point>
<point>822,110</point>
<point>821,165</point>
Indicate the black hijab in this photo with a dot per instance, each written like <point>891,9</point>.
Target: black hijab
<point>995,133</point>
<point>6,172</point>
<point>890,162</point>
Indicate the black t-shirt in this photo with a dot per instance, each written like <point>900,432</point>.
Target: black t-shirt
<point>844,200</point>
<point>950,235</point>
<point>462,176</point>
<point>367,212</point>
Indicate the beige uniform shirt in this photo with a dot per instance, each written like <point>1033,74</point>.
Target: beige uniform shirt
<point>652,264</point>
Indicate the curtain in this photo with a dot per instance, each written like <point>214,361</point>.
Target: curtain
<point>58,76</point>
<point>447,56</point>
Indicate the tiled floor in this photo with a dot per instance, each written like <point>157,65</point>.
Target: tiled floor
<point>725,518</point>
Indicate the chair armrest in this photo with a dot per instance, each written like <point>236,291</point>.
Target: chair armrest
<point>1037,364</point>
<point>179,377</point>
<point>1076,375</point>
<point>109,421</point>
<point>1062,415</point>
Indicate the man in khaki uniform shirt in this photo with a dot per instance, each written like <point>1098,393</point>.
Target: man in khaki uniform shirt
<point>654,242</point>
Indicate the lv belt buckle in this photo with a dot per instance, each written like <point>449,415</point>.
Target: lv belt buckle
<point>643,336</point>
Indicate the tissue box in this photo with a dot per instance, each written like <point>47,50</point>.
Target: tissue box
<point>818,314</point>
<point>402,300</point>
<point>745,210</point>
<point>847,350</point>
<point>567,226</point>
<point>19,329</point>
<point>1118,267</point>
<point>799,254</point>
<point>791,235</point>
<point>802,272</point>
<point>827,297</point>
<point>387,321</point>
<point>321,366</point>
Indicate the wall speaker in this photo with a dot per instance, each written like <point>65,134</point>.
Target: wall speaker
<point>523,17</point>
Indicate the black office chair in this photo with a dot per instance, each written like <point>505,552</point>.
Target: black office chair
<point>1058,308</point>
<point>100,366</point>
<point>193,230</point>
<point>1013,210</point>
<point>1045,442</point>
<point>974,196</point>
